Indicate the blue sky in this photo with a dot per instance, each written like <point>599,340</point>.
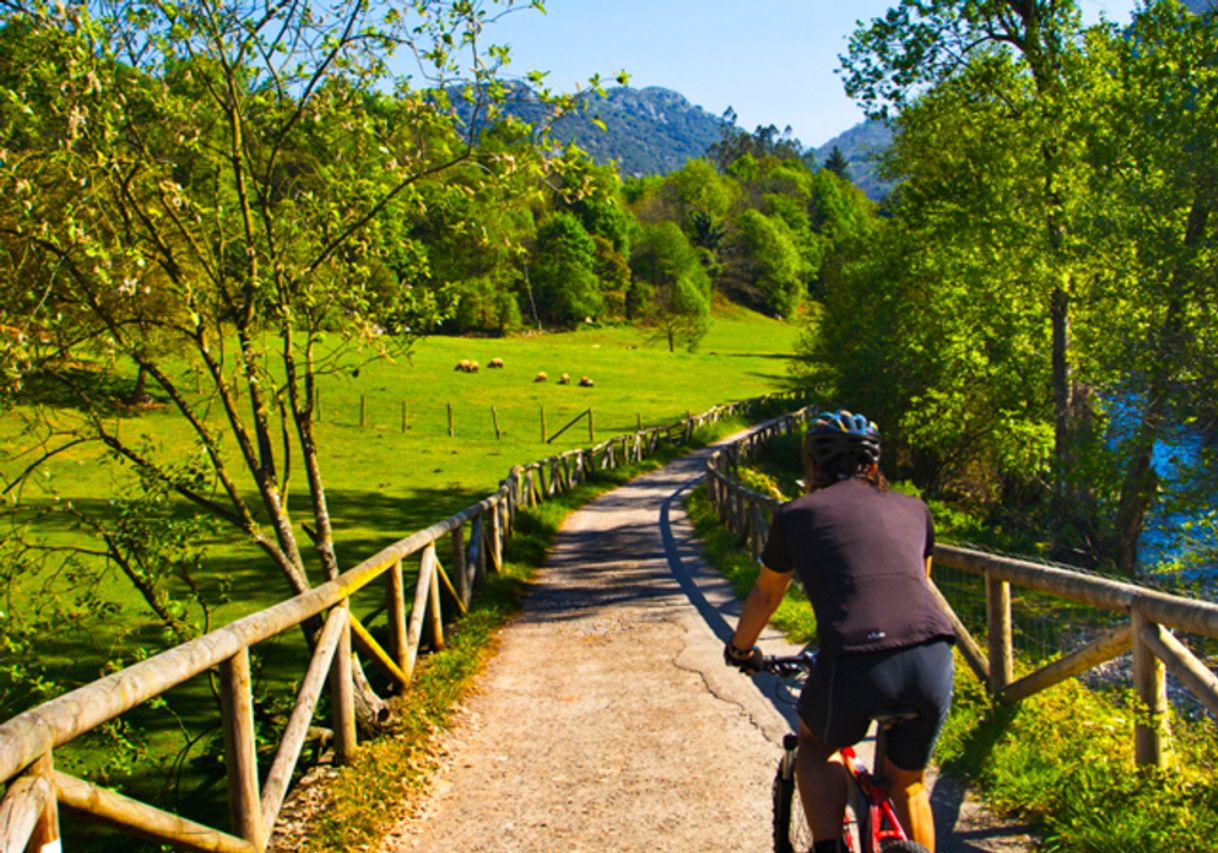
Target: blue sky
<point>772,61</point>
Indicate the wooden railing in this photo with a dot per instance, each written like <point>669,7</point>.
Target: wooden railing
<point>1151,614</point>
<point>29,811</point>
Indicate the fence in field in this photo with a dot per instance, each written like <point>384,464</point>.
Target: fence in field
<point>29,811</point>
<point>1127,616</point>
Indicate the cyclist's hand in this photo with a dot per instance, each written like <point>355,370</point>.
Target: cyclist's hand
<point>748,662</point>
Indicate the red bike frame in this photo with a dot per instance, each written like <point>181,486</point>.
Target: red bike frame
<point>881,821</point>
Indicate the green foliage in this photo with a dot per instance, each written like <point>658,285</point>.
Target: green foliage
<point>766,141</point>
<point>679,304</point>
<point>563,277</point>
<point>836,162</point>
<point>1062,758</point>
<point>764,264</point>
<point>863,147</point>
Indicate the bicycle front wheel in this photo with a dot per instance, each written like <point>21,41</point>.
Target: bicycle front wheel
<point>791,831</point>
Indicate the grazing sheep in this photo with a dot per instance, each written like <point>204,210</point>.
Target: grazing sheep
<point>541,377</point>
<point>564,379</point>
<point>467,366</point>
<point>585,382</point>
<point>496,362</point>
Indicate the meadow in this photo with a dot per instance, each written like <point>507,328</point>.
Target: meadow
<point>399,471</point>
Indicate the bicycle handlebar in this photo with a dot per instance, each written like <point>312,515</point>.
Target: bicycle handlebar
<point>789,666</point>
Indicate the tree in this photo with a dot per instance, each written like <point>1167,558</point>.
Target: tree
<point>764,141</point>
<point>680,288</point>
<point>763,264</point>
<point>564,272</point>
<point>837,163</point>
<point>1151,144</point>
<point>930,320</point>
<point>920,44</point>
<point>244,165</point>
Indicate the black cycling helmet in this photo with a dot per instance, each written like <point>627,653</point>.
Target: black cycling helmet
<point>835,438</point>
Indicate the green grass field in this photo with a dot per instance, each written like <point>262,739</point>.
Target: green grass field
<point>384,480</point>
<point>402,471</point>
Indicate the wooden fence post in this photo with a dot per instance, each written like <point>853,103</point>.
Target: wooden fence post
<point>1150,688</point>
<point>451,430</point>
<point>46,830</point>
<point>496,534</point>
<point>495,421</point>
<point>396,593</point>
<point>422,592</point>
<point>477,552</point>
<point>437,616</point>
<point>460,578</point>
<point>998,611</point>
<point>342,696</point>
<point>240,754</point>
<point>591,430</point>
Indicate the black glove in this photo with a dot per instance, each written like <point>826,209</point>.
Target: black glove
<point>750,661</point>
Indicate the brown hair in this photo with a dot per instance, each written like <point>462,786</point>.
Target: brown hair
<point>816,477</point>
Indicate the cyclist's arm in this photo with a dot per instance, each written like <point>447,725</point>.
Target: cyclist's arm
<point>763,600</point>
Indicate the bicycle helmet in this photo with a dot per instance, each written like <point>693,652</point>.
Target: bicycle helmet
<point>837,438</point>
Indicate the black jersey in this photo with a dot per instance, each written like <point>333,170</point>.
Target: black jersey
<point>860,554</point>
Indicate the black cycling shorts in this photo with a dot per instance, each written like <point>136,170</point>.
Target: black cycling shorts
<point>845,692</point>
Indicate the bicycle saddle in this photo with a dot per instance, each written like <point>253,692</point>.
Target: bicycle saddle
<point>893,716</point>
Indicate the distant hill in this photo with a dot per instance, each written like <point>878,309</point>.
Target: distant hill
<point>649,131</point>
<point>862,145</point>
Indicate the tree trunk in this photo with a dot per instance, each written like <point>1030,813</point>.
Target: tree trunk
<point>139,395</point>
<point>1140,485</point>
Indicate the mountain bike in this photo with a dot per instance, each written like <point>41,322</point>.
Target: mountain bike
<point>870,823</point>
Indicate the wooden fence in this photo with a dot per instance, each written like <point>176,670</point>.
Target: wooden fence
<point>1151,614</point>
<point>29,811</point>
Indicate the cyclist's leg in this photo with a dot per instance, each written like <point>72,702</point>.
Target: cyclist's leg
<point>911,801</point>
<point>822,785</point>
<point>927,681</point>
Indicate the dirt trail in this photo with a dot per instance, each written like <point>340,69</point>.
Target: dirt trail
<point>607,722</point>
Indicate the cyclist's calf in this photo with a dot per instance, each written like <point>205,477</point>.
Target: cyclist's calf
<point>822,785</point>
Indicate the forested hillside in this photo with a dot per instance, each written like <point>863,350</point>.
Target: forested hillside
<point>862,146</point>
<point>649,131</point>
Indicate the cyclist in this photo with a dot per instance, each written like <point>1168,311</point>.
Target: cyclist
<point>862,553</point>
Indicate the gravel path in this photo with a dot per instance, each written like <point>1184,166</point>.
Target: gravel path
<point>607,721</point>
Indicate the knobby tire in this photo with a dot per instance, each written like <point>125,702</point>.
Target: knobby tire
<point>791,831</point>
